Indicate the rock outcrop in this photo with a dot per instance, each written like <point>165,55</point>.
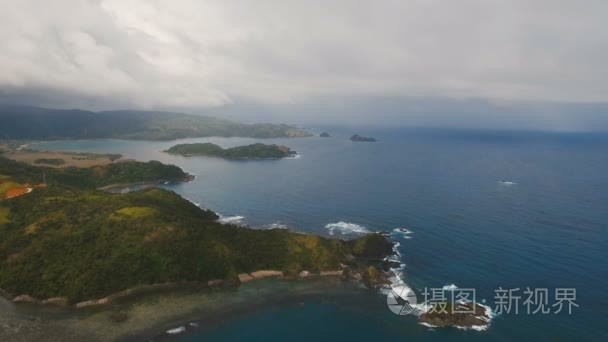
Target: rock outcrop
<point>463,315</point>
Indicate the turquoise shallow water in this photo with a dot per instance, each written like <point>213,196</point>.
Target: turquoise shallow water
<point>471,227</point>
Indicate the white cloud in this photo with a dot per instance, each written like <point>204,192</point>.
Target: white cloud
<point>205,53</point>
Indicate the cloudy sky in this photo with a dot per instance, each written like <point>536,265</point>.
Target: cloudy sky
<point>199,54</point>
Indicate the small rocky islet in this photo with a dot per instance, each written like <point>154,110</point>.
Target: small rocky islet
<point>359,138</point>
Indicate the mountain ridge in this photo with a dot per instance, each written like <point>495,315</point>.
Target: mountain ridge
<point>24,122</point>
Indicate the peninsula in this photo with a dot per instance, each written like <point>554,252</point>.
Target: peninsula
<point>253,151</point>
<point>68,243</point>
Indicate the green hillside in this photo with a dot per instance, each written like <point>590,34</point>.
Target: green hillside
<point>94,177</point>
<point>253,151</point>
<point>82,243</point>
<point>48,124</point>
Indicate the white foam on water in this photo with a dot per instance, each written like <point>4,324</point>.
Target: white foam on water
<point>294,156</point>
<point>345,228</point>
<point>198,205</point>
<point>450,287</point>
<point>177,330</point>
<point>231,219</point>
<point>402,232</point>
<point>396,249</point>
<point>507,182</point>
<point>489,312</point>
<point>474,327</point>
<point>397,280</point>
<point>276,225</point>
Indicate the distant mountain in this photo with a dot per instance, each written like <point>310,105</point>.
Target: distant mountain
<point>19,122</point>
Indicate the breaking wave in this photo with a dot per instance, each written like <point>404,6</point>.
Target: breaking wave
<point>276,225</point>
<point>231,219</point>
<point>177,330</point>
<point>345,228</point>
<point>450,287</point>
<point>402,232</point>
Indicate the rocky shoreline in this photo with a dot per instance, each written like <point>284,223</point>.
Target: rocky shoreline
<point>374,271</point>
<point>471,316</point>
<point>365,268</point>
<point>122,186</point>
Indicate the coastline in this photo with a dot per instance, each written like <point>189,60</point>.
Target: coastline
<point>372,273</point>
<point>142,185</point>
<point>148,315</point>
<point>167,287</point>
<point>188,155</point>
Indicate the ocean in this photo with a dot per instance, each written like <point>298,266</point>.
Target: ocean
<point>483,210</point>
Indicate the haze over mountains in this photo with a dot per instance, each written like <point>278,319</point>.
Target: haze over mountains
<point>467,64</point>
<point>42,123</point>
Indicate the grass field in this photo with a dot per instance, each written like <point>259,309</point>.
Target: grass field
<point>4,216</point>
<point>69,159</point>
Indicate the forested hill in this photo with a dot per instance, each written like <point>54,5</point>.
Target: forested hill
<point>69,240</point>
<point>18,122</point>
<point>253,151</point>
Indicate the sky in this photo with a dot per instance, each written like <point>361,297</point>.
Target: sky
<point>280,59</point>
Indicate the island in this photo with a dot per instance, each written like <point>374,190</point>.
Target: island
<point>358,138</point>
<point>67,243</point>
<point>324,135</point>
<point>461,315</point>
<point>253,151</point>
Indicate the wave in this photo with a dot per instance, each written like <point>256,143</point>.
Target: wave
<point>294,156</point>
<point>402,232</point>
<point>177,330</point>
<point>450,287</point>
<point>231,219</point>
<point>504,182</point>
<point>276,225</point>
<point>488,312</point>
<point>345,228</point>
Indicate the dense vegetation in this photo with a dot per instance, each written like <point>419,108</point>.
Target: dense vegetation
<point>253,151</point>
<point>41,123</point>
<point>91,178</point>
<point>82,243</point>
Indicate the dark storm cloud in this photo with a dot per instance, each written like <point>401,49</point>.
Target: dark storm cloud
<point>205,54</point>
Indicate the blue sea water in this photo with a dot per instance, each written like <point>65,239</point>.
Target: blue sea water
<point>487,209</point>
